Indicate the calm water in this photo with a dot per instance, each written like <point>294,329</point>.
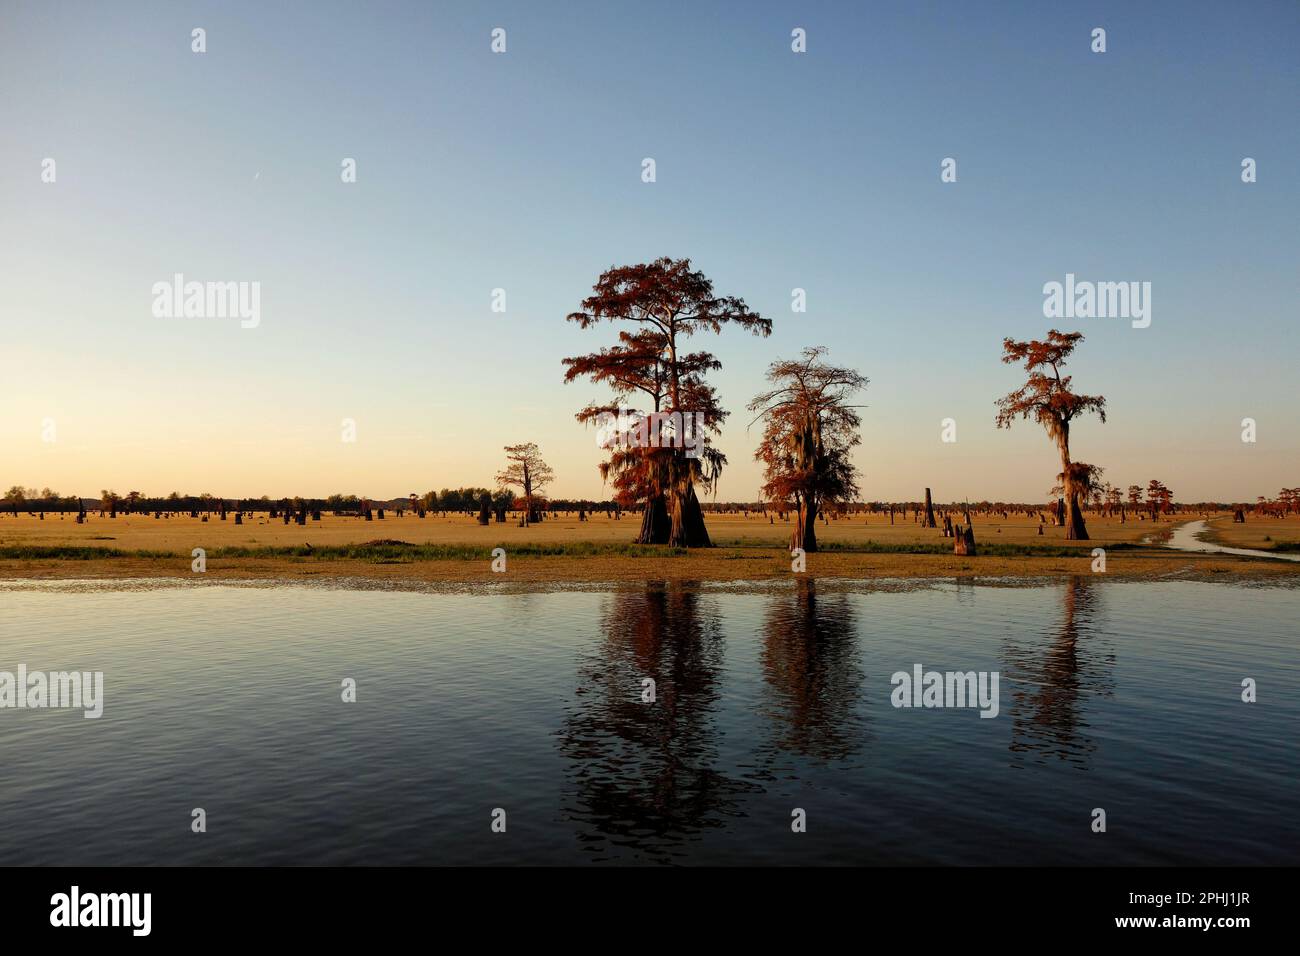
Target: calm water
<point>1120,696</point>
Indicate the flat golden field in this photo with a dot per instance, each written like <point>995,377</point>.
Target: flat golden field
<point>456,548</point>
<point>1263,534</point>
<point>144,532</point>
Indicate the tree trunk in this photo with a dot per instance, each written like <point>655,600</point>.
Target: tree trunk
<point>1074,526</point>
<point>655,526</point>
<point>805,529</point>
<point>688,529</point>
<point>929,512</point>
<point>696,532</point>
<point>1073,516</point>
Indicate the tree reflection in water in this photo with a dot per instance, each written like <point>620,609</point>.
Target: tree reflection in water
<point>810,666</point>
<point>1050,689</point>
<point>640,776</point>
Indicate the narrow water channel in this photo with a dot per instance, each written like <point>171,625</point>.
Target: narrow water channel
<point>1185,538</point>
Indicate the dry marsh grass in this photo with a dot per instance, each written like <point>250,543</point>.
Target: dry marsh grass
<point>457,548</point>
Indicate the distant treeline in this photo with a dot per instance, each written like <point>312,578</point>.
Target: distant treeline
<point>981,507</point>
<point>470,500</point>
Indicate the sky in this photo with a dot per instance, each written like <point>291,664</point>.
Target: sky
<point>522,171</point>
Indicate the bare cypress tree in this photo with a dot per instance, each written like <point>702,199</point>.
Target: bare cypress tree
<point>808,438</point>
<point>528,471</point>
<point>670,302</point>
<point>1046,397</point>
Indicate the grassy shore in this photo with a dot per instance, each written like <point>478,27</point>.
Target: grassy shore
<point>458,549</point>
<point>1263,534</point>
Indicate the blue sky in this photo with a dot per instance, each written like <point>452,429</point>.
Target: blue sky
<point>521,170</point>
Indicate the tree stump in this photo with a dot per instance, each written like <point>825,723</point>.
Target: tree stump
<point>965,543</point>
<point>929,512</point>
<point>1238,516</point>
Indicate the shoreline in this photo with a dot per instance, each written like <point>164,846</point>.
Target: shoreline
<point>715,565</point>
